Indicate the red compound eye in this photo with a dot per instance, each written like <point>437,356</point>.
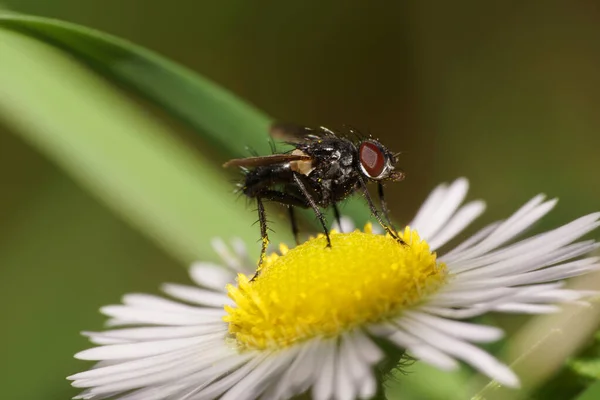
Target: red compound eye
<point>372,159</point>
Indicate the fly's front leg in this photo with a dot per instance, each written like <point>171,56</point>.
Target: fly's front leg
<point>384,208</point>
<point>313,205</point>
<point>389,229</point>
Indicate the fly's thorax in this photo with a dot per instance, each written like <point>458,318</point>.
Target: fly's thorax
<point>301,166</point>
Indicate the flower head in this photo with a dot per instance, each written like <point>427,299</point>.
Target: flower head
<point>371,277</point>
<point>314,318</point>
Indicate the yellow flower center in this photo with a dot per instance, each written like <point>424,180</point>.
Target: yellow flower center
<point>312,290</point>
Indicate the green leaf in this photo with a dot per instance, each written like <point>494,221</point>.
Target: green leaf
<point>589,368</point>
<point>228,122</point>
<point>116,151</point>
<point>591,393</point>
<point>588,365</point>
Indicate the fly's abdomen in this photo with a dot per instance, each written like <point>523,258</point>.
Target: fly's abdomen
<point>261,178</point>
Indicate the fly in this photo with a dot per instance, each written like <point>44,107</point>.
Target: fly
<point>322,170</point>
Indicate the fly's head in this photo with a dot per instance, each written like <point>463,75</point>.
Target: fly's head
<point>377,162</point>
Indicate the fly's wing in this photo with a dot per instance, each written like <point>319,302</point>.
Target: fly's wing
<point>266,160</point>
<point>293,133</point>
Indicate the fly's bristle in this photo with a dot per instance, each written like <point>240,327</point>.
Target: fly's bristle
<point>252,151</point>
<point>272,146</point>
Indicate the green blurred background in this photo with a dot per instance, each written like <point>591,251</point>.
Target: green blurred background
<point>505,93</point>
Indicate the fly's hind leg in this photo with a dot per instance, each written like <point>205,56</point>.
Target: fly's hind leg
<point>279,197</point>
<point>290,200</point>
<point>262,220</point>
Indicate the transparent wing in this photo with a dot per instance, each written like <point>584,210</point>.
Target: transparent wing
<point>265,160</point>
<point>295,133</point>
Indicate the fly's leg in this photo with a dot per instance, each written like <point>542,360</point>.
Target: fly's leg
<point>294,223</point>
<point>389,229</point>
<point>289,200</point>
<point>314,206</point>
<point>384,208</point>
<point>280,197</point>
<point>338,218</point>
<point>262,220</point>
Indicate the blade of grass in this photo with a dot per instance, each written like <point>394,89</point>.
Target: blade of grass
<point>228,122</point>
<point>116,151</point>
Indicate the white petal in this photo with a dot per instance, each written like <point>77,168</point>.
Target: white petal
<point>215,389</point>
<point>497,296</point>
<point>247,265</point>
<point>195,383</point>
<point>535,293</point>
<point>433,201</point>
<point>423,351</point>
<point>462,330</point>
<point>230,260</point>
<point>450,297</point>
<point>368,387</point>
<point>130,315</point>
<point>453,313</point>
<point>521,308</point>
<point>383,329</point>
<point>160,369</point>
<point>344,381</point>
<point>196,295</point>
<point>557,295</point>
<point>430,224</point>
<point>549,274</point>
<point>211,276</point>
<point>368,351</point>
<point>88,394</point>
<point>102,340</point>
<point>167,391</point>
<point>156,303</point>
<point>118,368</point>
<point>457,253</point>
<point>463,218</point>
<point>486,275</point>
<point>142,349</point>
<point>534,247</point>
<point>297,378</point>
<point>473,355</point>
<point>251,386</point>
<point>357,367</point>
<point>324,386</point>
<point>156,333</point>
<point>347,225</point>
<point>518,222</point>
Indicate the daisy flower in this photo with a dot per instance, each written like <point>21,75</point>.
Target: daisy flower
<point>321,320</point>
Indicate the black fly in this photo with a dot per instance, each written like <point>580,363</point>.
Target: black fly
<point>321,171</point>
